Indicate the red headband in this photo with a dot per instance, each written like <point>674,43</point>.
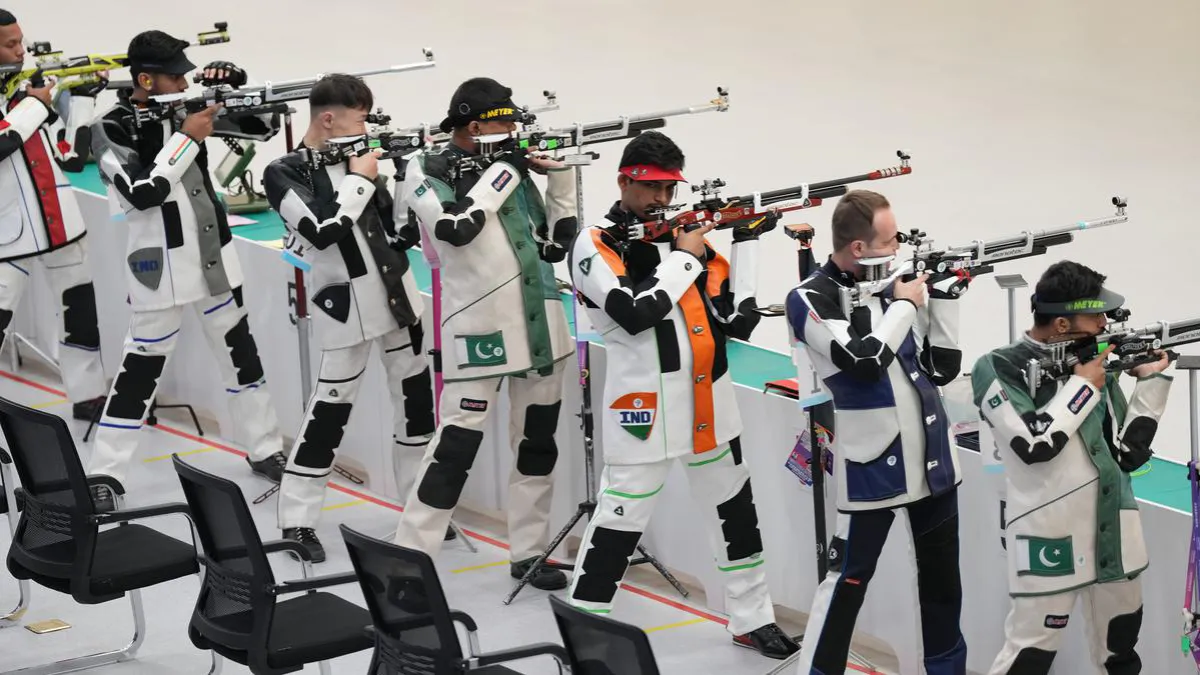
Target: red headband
<point>651,172</point>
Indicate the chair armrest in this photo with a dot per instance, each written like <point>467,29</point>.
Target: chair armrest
<point>125,515</point>
<point>516,653</point>
<point>4,457</point>
<point>107,481</point>
<point>313,583</point>
<point>287,546</point>
<point>465,619</point>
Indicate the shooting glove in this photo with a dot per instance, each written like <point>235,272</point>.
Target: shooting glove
<point>750,230</point>
<point>947,286</point>
<point>518,158</point>
<point>234,76</point>
<point>90,89</point>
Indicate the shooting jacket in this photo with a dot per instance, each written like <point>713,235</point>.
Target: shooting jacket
<point>341,223</point>
<point>180,247</point>
<point>38,211</point>
<point>490,232</point>
<point>882,366</point>
<point>666,317</point>
<point>1072,516</point>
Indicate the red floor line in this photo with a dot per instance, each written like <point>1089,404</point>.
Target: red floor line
<point>395,507</point>
<point>35,385</point>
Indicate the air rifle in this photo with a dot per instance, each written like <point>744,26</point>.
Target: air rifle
<point>83,70</point>
<point>762,209</point>
<point>1132,347</point>
<point>978,257</point>
<point>581,134</point>
<point>248,99</point>
<point>399,143</point>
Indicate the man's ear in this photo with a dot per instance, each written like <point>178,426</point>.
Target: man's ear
<point>858,247</point>
<point>327,119</point>
<point>145,81</point>
<point>1062,324</point>
<point>473,129</point>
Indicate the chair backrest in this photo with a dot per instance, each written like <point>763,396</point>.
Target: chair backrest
<point>413,627</point>
<point>54,526</point>
<point>235,607</point>
<point>598,645</point>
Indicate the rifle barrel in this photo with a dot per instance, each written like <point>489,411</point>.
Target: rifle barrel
<point>361,73</point>
<point>1052,237</point>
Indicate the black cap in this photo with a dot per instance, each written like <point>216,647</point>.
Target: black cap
<point>157,52</point>
<point>480,99</point>
<point>1104,302</point>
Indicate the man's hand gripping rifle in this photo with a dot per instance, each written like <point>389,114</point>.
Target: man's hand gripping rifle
<point>758,212</point>
<point>271,97</point>
<point>84,71</point>
<point>537,139</point>
<point>1132,347</point>
<point>963,262</point>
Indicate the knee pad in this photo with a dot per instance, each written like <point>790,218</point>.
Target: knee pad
<point>537,453</point>
<point>453,457</point>
<point>416,333</point>
<point>135,385</point>
<point>79,317</point>
<point>237,296</point>
<point>418,404</point>
<point>1032,661</point>
<point>323,434</point>
<point>1122,638</point>
<point>604,564</point>
<point>739,525</point>
<point>244,353</point>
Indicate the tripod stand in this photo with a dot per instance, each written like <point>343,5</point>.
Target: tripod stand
<point>587,507</point>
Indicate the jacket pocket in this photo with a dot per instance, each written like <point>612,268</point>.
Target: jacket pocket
<point>878,479</point>
<point>334,301</point>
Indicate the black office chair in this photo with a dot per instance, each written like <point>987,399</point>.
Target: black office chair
<point>58,542</point>
<point>598,645</point>
<point>12,618</point>
<point>413,625</point>
<point>238,614</point>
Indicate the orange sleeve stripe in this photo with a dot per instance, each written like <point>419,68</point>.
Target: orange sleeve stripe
<point>704,437</point>
<point>610,256</point>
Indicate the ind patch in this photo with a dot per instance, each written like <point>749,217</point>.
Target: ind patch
<point>1080,400</point>
<point>1056,620</point>
<point>999,398</point>
<point>473,404</point>
<point>502,180</point>
<point>146,264</point>
<point>636,412</point>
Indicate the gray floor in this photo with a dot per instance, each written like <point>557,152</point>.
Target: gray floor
<point>686,639</point>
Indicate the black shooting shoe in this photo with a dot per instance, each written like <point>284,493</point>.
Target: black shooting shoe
<point>102,499</point>
<point>270,468</point>
<point>546,578</point>
<point>770,641</point>
<point>88,410</point>
<point>307,538</point>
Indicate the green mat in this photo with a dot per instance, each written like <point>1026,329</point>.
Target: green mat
<point>1165,483</point>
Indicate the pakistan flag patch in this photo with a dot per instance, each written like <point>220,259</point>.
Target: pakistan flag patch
<point>636,412</point>
<point>999,398</point>
<point>481,350</point>
<point>1047,557</point>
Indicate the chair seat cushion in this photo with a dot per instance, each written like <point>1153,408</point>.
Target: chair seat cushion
<point>316,627</point>
<point>127,557</point>
<point>134,556</point>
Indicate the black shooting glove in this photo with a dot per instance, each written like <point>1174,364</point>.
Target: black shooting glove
<point>749,230</point>
<point>90,89</point>
<point>518,158</point>
<point>224,73</point>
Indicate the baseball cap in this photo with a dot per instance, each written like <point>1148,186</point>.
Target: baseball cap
<point>157,52</point>
<point>651,172</point>
<point>480,99</point>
